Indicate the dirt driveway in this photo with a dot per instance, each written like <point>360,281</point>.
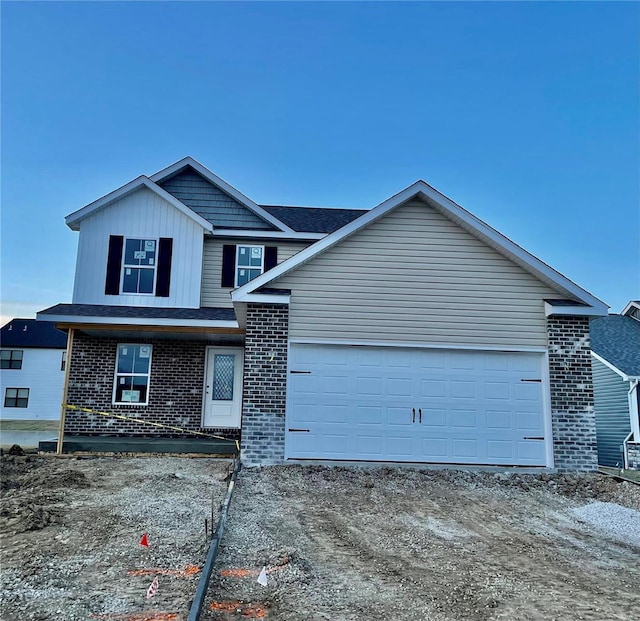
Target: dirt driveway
<point>380,543</point>
<point>70,533</point>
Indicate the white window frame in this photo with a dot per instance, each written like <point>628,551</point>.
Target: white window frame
<point>116,375</point>
<point>124,266</point>
<point>237,267</point>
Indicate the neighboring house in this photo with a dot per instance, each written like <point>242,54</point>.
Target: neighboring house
<point>412,332</point>
<point>615,348</point>
<point>32,357</point>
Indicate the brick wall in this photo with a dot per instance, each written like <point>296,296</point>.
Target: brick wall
<point>572,411</point>
<point>175,389</point>
<point>265,384</point>
<point>633,455</point>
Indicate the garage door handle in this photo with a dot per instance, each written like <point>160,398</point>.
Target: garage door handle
<point>420,412</point>
<point>533,438</point>
<point>413,411</point>
<point>306,430</point>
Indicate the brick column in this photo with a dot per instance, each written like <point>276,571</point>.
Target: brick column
<point>572,411</point>
<point>265,384</point>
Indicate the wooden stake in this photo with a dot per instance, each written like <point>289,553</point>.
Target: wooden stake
<point>63,407</point>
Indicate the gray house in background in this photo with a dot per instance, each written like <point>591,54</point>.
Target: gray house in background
<point>615,345</point>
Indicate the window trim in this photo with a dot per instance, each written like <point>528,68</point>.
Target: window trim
<point>16,398</point>
<point>237,267</point>
<point>116,375</point>
<point>11,359</point>
<point>124,266</point>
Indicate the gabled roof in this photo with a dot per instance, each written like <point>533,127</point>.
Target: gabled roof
<point>222,185</point>
<point>314,219</point>
<point>453,211</point>
<point>73,220</point>
<point>32,333</point>
<point>630,307</point>
<point>616,340</point>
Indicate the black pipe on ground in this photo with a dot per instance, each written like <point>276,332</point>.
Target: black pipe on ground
<point>214,546</point>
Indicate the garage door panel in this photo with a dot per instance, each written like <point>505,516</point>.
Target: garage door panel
<point>369,415</point>
<point>474,406</point>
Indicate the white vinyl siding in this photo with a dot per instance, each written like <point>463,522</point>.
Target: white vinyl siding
<point>142,214</point>
<point>416,276</point>
<point>212,293</point>
<point>41,374</point>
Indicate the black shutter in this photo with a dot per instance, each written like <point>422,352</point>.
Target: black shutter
<point>270,257</point>
<point>229,265</point>
<point>163,280</point>
<point>114,263</point>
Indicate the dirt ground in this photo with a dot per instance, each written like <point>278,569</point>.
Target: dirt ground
<point>382,543</point>
<point>70,532</point>
<point>337,543</point>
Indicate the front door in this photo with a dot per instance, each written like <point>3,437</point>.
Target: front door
<point>223,387</point>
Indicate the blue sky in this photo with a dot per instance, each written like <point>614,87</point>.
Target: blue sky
<point>524,113</point>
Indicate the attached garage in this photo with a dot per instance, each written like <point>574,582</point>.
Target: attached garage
<point>449,406</point>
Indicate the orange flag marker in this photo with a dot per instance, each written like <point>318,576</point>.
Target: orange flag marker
<point>144,541</point>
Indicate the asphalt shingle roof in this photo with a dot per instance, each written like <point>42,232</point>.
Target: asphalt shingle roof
<point>313,219</point>
<point>140,312</point>
<point>617,339</point>
<point>32,333</point>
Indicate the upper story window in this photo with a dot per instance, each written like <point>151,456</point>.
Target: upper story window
<point>11,358</point>
<point>133,369</point>
<point>139,266</point>
<point>249,263</point>
<point>244,262</point>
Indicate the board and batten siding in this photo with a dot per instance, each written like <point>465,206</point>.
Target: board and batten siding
<point>213,294</point>
<point>611,402</point>
<point>416,276</point>
<point>142,214</point>
<point>42,374</point>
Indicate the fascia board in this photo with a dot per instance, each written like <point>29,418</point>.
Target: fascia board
<point>137,321</point>
<point>266,298</point>
<point>423,190</point>
<point>224,186</point>
<point>576,311</point>
<point>624,376</point>
<point>73,220</point>
<point>256,234</point>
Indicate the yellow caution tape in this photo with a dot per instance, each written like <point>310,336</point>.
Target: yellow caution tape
<point>148,422</point>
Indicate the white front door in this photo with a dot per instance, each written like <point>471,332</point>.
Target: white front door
<point>223,387</point>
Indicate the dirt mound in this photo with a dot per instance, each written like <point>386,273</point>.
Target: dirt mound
<point>16,517</point>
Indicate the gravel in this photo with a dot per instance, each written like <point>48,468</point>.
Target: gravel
<point>619,522</point>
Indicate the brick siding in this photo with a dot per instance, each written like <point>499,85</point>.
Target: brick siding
<point>633,455</point>
<point>571,384</point>
<point>175,389</point>
<point>265,384</point>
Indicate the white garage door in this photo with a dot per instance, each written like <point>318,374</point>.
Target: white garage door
<point>415,405</point>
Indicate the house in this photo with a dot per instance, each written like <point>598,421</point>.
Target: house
<point>33,358</point>
<point>410,332</point>
<point>615,345</point>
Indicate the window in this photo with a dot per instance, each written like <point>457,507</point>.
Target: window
<point>11,359</point>
<point>16,397</point>
<point>139,266</point>
<point>64,361</point>
<point>133,368</point>
<point>249,263</point>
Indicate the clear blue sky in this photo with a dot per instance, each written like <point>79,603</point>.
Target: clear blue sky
<point>524,113</point>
